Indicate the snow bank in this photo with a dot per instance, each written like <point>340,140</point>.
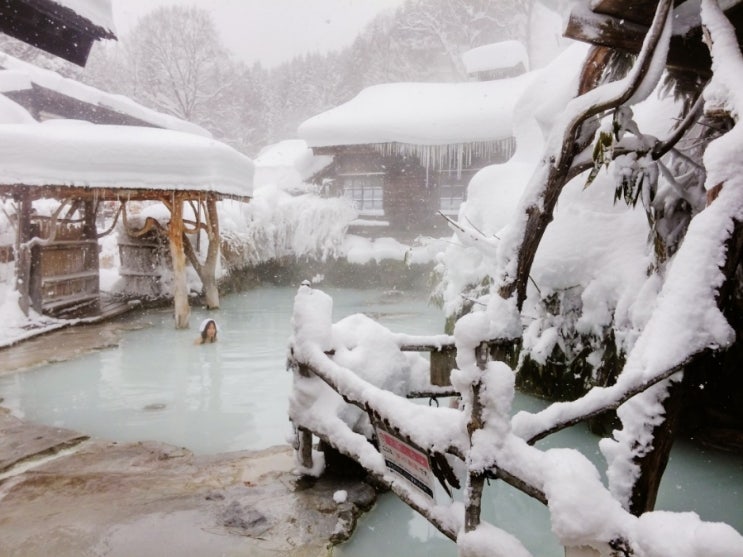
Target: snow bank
<point>505,54</point>
<point>288,165</point>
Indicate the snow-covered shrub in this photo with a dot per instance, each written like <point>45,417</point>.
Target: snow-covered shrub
<point>276,225</point>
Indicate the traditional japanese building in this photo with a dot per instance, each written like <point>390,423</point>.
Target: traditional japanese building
<point>405,152</point>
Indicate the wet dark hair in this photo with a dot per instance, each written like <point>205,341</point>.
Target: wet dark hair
<point>205,327</point>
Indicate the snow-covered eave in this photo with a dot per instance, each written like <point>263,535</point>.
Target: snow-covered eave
<point>115,160</point>
<point>64,28</point>
<point>45,82</point>
<point>95,16</point>
<point>449,156</point>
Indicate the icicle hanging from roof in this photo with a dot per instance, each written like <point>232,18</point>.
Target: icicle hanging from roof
<point>452,156</point>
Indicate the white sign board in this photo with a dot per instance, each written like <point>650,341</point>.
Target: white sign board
<point>406,461</point>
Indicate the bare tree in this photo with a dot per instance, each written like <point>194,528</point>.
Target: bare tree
<point>178,63</point>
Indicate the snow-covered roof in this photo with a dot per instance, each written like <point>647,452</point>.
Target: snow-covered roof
<point>24,74</point>
<point>420,114</point>
<point>14,80</point>
<point>99,12</point>
<point>287,164</point>
<point>74,153</point>
<point>496,56</point>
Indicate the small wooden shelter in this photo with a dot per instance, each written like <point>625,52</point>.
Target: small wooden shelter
<point>80,166</point>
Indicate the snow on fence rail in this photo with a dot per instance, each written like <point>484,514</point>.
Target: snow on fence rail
<point>352,380</point>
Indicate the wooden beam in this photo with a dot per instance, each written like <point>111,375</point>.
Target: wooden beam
<point>55,191</point>
<point>686,53</point>
<point>637,11</point>
<point>604,30</point>
<point>621,25</point>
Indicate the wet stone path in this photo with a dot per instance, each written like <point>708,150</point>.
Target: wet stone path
<point>63,494</point>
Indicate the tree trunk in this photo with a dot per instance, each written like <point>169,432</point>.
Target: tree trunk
<point>653,464</point>
<point>177,253</point>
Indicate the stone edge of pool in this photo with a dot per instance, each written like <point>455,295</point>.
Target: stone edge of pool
<point>64,493</point>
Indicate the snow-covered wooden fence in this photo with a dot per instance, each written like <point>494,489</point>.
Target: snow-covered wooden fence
<point>352,383</point>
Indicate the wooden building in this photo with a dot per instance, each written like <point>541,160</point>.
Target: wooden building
<point>77,167</point>
<point>405,152</point>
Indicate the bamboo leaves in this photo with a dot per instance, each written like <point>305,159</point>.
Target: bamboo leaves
<point>635,170</point>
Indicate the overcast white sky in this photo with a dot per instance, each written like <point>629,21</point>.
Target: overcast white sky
<point>271,31</point>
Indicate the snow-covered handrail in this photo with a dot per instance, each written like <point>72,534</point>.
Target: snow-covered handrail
<point>555,477</point>
<point>443,427</point>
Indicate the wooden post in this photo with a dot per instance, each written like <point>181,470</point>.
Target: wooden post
<point>442,362</point>
<point>212,255</point>
<point>476,480</point>
<point>178,255</point>
<point>22,252</point>
<point>305,448</point>
<point>305,435</point>
<point>34,271</point>
<point>92,258</point>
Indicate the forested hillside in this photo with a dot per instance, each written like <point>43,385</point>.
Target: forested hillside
<point>173,60</point>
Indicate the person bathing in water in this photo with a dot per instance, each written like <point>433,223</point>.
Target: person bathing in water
<point>208,330</point>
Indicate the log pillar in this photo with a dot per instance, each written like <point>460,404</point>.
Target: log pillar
<point>178,256</point>
<point>209,277</point>
<point>23,253</point>
<point>92,257</point>
<point>304,435</point>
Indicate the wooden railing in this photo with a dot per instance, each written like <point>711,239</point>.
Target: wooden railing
<point>443,357</point>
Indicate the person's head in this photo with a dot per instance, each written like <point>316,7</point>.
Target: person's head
<point>208,330</point>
